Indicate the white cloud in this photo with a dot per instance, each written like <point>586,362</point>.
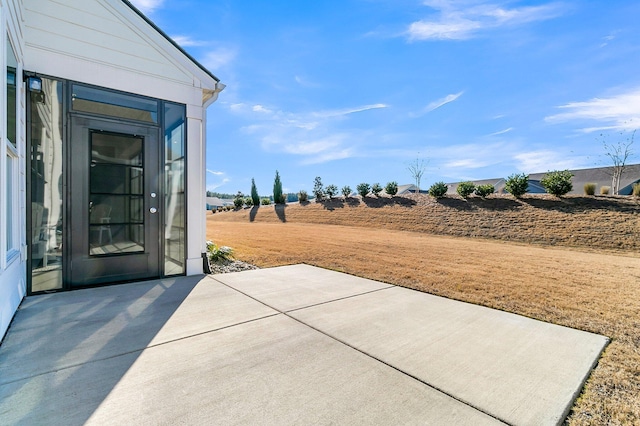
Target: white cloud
<point>147,6</point>
<point>616,112</point>
<point>314,136</point>
<point>219,58</point>
<point>216,185</point>
<point>260,108</point>
<point>501,132</point>
<point>437,104</point>
<point>186,41</point>
<point>347,111</point>
<point>545,160</point>
<point>213,172</point>
<point>302,81</point>
<point>467,163</point>
<point>464,19</point>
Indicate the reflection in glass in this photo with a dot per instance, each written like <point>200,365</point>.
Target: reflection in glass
<point>12,65</point>
<point>45,238</point>
<point>174,137</point>
<point>116,204</point>
<point>114,104</point>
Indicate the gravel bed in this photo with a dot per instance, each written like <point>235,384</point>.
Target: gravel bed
<point>226,266</point>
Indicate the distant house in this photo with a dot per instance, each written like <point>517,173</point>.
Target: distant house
<point>409,189</point>
<point>214,203</point>
<point>601,176</point>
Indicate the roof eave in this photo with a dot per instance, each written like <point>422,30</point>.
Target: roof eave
<point>170,40</point>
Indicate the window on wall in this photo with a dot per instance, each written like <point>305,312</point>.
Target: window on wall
<point>175,214</point>
<point>11,158</point>
<point>12,67</point>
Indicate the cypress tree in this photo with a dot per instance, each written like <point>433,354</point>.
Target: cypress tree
<point>254,193</point>
<point>277,190</point>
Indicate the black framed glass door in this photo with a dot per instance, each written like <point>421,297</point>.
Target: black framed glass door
<point>114,202</point>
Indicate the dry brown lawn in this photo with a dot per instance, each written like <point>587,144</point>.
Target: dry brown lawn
<point>591,287</point>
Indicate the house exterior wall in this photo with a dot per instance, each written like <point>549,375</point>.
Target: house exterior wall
<point>105,43</point>
<point>12,162</point>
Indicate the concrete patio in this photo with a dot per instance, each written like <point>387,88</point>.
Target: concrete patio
<point>288,345</point>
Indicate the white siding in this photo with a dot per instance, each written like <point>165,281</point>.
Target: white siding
<point>104,42</point>
<point>12,274</point>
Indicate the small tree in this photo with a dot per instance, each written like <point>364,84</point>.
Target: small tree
<point>238,200</point>
<point>255,198</point>
<point>517,185</point>
<point>619,153</point>
<point>484,190</point>
<point>391,188</point>
<point>346,191</point>
<point>248,201</point>
<point>331,191</point>
<point>278,197</point>
<point>417,169</point>
<point>303,196</point>
<point>557,182</point>
<point>318,189</point>
<point>438,189</point>
<point>376,189</point>
<point>363,189</point>
<point>465,189</point>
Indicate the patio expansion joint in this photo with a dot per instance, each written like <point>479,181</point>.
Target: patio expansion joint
<point>132,351</point>
<point>425,383</point>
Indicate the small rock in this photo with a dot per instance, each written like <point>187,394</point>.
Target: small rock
<point>227,266</point>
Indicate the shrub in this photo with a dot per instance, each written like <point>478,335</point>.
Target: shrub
<point>391,188</point>
<point>604,190</point>
<point>589,189</point>
<point>265,201</point>
<point>557,182</point>
<point>248,201</point>
<point>318,189</point>
<point>465,189</point>
<point>303,196</point>
<point>346,191</point>
<point>484,190</point>
<point>278,196</point>
<point>238,200</point>
<point>255,198</point>
<point>438,189</point>
<point>363,189</point>
<point>636,190</point>
<point>331,191</point>
<point>517,185</point>
<point>216,253</point>
<point>376,189</point>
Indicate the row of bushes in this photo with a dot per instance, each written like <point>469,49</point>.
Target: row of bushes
<point>364,189</point>
<point>557,183</point>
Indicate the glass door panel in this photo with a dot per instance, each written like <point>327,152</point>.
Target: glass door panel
<point>114,208</point>
<point>45,238</point>
<point>116,218</point>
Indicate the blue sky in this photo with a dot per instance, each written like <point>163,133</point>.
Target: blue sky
<point>355,90</point>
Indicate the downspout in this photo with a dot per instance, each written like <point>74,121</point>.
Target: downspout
<point>208,98</point>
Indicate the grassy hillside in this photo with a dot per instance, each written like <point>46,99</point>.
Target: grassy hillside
<point>609,223</point>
